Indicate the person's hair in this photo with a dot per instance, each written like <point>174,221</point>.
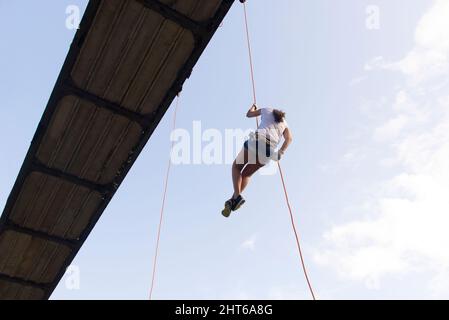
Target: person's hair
<point>279,115</point>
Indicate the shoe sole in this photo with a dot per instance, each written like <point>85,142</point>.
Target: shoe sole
<point>226,211</point>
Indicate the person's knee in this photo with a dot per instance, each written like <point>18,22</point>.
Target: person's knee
<point>247,174</point>
<point>251,170</point>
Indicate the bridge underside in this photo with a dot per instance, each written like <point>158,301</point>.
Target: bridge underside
<point>125,66</point>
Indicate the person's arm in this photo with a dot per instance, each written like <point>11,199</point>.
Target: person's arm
<point>253,112</point>
<point>288,138</point>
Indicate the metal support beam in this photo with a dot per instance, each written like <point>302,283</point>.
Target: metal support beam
<point>70,88</point>
<point>202,32</point>
<point>23,282</point>
<point>102,189</point>
<point>169,13</point>
<point>11,226</point>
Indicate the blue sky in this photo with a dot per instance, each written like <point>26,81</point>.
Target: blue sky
<point>366,172</point>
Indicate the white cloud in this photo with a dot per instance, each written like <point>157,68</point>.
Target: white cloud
<point>430,56</point>
<point>357,80</point>
<point>249,244</point>
<point>376,63</point>
<point>439,285</point>
<point>391,129</point>
<point>406,230</point>
<point>404,103</point>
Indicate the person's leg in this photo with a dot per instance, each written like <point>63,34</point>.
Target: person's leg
<point>247,173</point>
<point>237,168</point>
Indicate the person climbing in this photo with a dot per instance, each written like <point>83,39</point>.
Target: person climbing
<point>258,151</point>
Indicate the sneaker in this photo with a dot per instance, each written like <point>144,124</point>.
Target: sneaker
<point>237,203</point>
<point>228,208</point>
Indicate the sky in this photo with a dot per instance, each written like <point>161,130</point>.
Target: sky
<point>366,91</point>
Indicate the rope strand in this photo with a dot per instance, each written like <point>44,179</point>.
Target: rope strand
<point>250,54</point>
<point>167,175</point>
<point>298,243</point>
<point>251,64</point>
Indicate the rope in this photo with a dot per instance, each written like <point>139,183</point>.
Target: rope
<point>298,242</point>
<point>250,55</point>
<point>167,175</point>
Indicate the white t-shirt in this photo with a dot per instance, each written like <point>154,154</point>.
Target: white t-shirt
<point>269,128</point>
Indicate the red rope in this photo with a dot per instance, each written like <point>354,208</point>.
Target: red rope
<point>250,54</point>
<point>298,243</point>
<point>167,175</point>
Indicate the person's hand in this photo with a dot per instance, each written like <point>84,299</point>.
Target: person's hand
<point>254,106</point>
